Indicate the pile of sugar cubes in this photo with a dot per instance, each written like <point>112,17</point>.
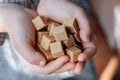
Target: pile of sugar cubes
<point>55,40</point>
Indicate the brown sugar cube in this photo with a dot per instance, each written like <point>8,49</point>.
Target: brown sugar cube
<point>47,54</point>
<point>56,49</point>
<point>46,40</point>
<point>71,25</point>
<point>60,33</point>
<point>49,27</point>
<point>77,37</point>
<point>73,53</point>
<point>40,34</point>
<point>79,45</point>
<point>52,25</point>
<point>70,41</point>
<point>39,22</point>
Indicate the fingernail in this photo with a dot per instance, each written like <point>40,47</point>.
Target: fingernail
<point>42,63</point>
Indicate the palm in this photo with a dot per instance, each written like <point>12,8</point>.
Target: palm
<point>21,31</point>
<point>58,10</point>
<point>22,27</point>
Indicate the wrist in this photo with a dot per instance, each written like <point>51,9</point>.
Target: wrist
<point>2,25</point>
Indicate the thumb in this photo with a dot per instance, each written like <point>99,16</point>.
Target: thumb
<point>84,25</point>
<point>30,54</point>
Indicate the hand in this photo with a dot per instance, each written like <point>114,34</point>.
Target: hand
<point>17,21</point>
<point>58,10</point>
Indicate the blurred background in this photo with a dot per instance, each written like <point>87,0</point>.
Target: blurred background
<point>106,16</point>
<point>105,65</point>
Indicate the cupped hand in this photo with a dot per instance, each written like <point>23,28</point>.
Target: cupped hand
<point>58,10</point>
<point>17,21</point>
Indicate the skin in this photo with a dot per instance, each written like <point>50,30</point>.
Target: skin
<point>61,9</point>
<point>22,36</point>
<point>16,20</point>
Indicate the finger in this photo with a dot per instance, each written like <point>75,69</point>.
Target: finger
<point>87,54</point>
<point>84,25</point>
<point>48,69</point>
<point>55,65</point>
<point>79,67</point>
<point>66,67</point>
<point>89,50</point>
<point>71,72</point>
